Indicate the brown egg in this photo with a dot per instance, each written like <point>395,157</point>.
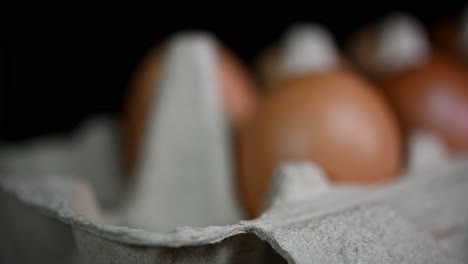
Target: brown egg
<point>335,119</point>
<point>427,90</point>
<point>238,91</point>
<point>432,96</point>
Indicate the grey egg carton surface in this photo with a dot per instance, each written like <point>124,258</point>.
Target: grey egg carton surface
<point>62,199</point>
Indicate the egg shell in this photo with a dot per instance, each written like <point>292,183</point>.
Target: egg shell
<point>432,96</point>
<point>335,119</point>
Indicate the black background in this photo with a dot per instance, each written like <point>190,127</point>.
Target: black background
<point>59,67</point>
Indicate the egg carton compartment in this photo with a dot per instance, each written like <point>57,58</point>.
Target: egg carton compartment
<point>62,199</point>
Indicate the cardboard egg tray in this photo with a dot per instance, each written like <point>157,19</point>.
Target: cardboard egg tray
<point>62,199</point>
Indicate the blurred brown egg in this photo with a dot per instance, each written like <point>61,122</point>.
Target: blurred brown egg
<point>239,95</point>
<point>434,97</point>
<point>331,117</point>
<point>428,90</point>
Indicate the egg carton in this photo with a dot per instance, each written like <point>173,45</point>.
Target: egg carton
<point>62,200</point>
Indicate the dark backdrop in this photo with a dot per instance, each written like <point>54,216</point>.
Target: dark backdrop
<point>59,67</point>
